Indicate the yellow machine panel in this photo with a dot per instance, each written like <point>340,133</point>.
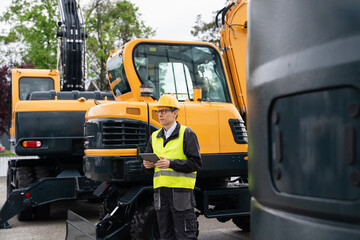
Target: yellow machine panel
<point>178,68</point>
<point>233,44</point>
<point>26,81</point>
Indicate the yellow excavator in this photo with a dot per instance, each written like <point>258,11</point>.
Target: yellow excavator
<point>212,103</point>
<point>139,73</point>
<point>302,109</point>
<point>48,114</point>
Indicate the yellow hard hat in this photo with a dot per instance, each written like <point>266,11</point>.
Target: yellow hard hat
<point>167,100</point>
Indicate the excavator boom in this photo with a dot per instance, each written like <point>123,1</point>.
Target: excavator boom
<point>233,45</point>
<point>71,55</point>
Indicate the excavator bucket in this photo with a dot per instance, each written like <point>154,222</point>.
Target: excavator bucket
<point>78,228</point>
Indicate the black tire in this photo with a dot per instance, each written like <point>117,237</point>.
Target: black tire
<point>144,224</point>
<point>242,222</point>
<point>9,186</point>
<point>108,205</point>
<point>24,177</point>
<point>43,211</point>
<point>94,200</point>
<point>41,172</point>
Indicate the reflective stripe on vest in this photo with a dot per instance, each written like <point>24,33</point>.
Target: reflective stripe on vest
<point>173,150</point>
<point>174,174</point>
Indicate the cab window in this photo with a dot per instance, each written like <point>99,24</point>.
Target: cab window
<point>117,77</point>
<point>175,78</point>
<point>178,68</point>
<point>27,85</point>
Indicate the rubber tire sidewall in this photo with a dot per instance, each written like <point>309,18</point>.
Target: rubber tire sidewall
<point>144,224</point>
<point>9,187</point>
<point>242,222</point>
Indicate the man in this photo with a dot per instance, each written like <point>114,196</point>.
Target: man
<point>175,172</point>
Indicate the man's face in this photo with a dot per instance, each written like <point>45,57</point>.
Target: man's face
<point>167,116</point>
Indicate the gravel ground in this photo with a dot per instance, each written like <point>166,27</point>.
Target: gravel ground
<point>55,227</point>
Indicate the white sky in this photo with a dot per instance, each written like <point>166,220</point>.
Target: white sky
<point>172,20</point>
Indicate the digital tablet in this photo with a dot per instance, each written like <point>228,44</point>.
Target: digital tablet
<point>152,157</point>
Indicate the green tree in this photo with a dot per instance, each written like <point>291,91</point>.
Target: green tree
<point>34,24</point>
<point>109,25</point>
<point>4,99</point>
<point>206,32</point>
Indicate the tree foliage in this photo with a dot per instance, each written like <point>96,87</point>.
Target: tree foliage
<point>206,32</point>
<point>34,24</point>
<point>110,25</point>
<point>4,99</point>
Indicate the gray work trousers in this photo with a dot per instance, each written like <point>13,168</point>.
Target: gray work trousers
<point>175,213</point>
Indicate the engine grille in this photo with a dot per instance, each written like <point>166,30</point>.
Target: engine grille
<point>124,134</point>
<point>239,131</point>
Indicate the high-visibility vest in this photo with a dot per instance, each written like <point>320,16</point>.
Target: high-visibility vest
<point>173,150</point>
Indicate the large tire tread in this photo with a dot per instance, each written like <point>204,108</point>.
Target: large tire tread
<point>242,222</point>
<point>41,172</point>
<point>144,224</point>
<point>9,186</point>
<point>108,205</point>
<point>42,212</point>
<point>25,176</point>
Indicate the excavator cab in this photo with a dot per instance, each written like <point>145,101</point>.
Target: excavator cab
<point>26,81</point>
<point>172,68</point>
